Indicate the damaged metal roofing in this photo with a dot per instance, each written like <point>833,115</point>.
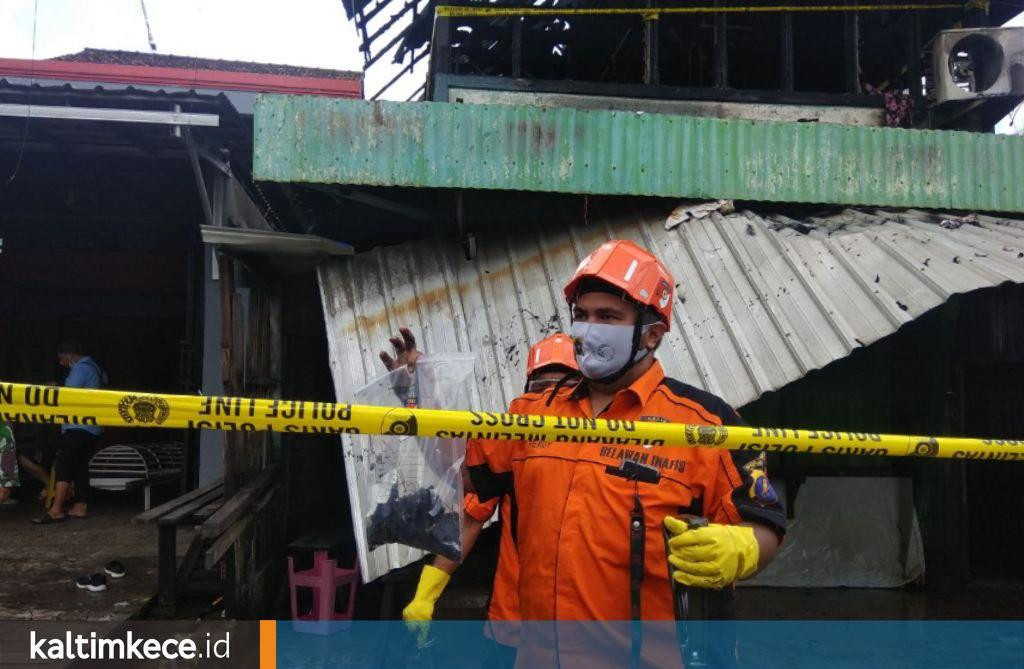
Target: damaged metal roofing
<point>761,300</point>
<point>505,147</point>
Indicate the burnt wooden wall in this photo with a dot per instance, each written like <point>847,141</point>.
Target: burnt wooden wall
<point>251,366</point>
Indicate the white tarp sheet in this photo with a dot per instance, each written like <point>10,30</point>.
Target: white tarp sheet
<point>857,532</point>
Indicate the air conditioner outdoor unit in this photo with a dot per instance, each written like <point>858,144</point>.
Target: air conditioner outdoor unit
<point>972,63</point>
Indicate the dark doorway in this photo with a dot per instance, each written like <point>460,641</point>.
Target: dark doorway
<point>993,393</point>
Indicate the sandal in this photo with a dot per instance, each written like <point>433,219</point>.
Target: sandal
<point>47,519</point>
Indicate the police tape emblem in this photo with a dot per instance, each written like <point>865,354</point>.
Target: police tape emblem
<point>399,422</point>
<point>927,447</point>
<point>706,435</point>
<point>143,409</point>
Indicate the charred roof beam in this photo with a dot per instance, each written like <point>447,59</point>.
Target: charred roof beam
<point>372,55</point>
<point>392,20</point>
<point>416,58</point>
<point>376,201</point>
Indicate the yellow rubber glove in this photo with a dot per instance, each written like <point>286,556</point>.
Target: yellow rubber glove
<point>420,610</point>
<point>711,557</point>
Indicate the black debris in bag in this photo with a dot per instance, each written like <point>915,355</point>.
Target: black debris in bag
<point>418,519</point>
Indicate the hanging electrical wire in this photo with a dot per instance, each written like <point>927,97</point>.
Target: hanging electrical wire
<point>1013,121</point>
<point>149,32</point>
<point>32,83</point>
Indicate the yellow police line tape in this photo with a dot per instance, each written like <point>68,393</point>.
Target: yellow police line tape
<point>449,11</point>
<point>48,404</point>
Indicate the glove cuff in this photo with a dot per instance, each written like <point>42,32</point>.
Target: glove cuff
<point>750,553</point>
<point>432,583</point>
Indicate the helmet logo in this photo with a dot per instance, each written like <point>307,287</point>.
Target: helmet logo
<point>666,294</point>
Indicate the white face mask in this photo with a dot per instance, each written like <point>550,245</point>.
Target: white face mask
<point>606,349</point>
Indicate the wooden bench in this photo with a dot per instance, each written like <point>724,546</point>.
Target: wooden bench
<point>218,522</point>
<point>132,466</point>
<point>189,509</point>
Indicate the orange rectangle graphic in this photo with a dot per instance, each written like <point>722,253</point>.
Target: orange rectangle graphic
<point>268,644</point>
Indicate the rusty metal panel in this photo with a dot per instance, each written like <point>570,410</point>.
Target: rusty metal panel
<point>760,111</point>
<point>761,300</point>
<point>446,145</point>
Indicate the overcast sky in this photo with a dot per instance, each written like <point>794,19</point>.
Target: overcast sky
<point>314,33</point>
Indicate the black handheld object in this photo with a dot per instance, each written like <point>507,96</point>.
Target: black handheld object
<point>637,473</point>
<point>691,608</point>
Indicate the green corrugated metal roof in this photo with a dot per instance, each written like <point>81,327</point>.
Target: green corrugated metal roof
<point>448,145</point>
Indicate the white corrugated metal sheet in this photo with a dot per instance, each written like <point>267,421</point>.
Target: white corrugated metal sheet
<point>762,300</point>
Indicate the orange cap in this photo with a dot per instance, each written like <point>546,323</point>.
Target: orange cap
<point>640,276</point>
<point>554,350</point>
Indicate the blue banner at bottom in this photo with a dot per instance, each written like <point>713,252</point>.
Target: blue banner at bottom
<point>707,645</point>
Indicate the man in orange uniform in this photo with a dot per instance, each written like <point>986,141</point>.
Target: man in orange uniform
<point>550,361</point>
<point>583,519</point>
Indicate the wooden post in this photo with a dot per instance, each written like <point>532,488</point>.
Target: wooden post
<point>786,52</point>
<point>168,563</point>
<point>517,46</point>
<point>851,49</point>
<point>651,27</point>
<point>721,59</point>
<point>914,47</point>
<point>440,54</point>
<point>229,375</point>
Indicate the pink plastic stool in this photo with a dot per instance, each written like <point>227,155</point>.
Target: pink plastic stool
<point>324,579</point>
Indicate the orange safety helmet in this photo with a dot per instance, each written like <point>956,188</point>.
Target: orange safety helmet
<point>554,350</point>
<point>641,277</point>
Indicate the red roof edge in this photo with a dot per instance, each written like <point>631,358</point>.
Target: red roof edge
<point>172,76</point>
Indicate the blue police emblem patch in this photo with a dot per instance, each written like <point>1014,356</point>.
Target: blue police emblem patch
<point>761,489</point>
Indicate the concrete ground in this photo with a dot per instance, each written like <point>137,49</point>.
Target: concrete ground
<point>39,564</point>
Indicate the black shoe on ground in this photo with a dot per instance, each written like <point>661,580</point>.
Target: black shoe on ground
<point>114,569</point>
<point>47,519</point>
<point>94,583</point>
